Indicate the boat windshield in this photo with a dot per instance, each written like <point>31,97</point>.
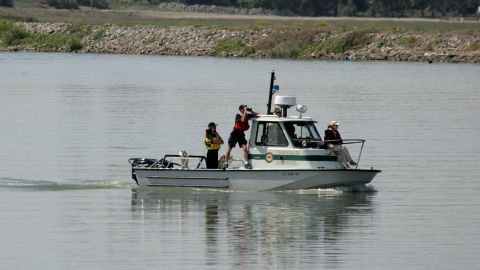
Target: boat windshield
<point>303,134</point>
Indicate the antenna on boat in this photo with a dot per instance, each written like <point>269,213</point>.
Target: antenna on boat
<point>270,92</point>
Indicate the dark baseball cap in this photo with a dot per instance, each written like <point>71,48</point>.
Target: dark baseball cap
<point>212,124</point>
<point>241,106</point>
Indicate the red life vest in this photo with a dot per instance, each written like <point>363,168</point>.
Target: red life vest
<point>333,135</point>
<point>242,126</point>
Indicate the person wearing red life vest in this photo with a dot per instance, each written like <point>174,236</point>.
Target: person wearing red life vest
<point>238,133</point>
<point>334,142</point>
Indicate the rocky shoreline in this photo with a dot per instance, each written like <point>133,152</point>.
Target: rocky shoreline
<point>363,45</point>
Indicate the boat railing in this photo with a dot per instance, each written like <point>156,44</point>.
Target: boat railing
<point>179,161</point>
<point>351,141</point>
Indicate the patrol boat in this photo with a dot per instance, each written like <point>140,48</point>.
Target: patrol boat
<point>285,152</point>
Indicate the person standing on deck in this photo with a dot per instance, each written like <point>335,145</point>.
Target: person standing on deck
<point>212,142</point>
<point>238,134</point>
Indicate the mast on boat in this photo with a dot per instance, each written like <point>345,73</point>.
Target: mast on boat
<point>270,93</point>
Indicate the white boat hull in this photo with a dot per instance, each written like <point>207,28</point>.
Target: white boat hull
<point>252,180</point>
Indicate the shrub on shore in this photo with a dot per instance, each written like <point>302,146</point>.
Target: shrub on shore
<point>432,44</point>
<point>75,45</point>
<point>291,49</point>
<point>233,46</point>
<point>287,44</point>
<point>10,34</point>
<point>13,35</point>
<point>350,41</point>
<point>474,46</point>
<point>338,44</point>
<point>409,41</point>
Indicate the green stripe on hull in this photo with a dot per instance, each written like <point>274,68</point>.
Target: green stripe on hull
<point>294,157</point>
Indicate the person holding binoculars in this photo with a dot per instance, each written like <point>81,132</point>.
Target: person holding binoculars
<point>238,134</point>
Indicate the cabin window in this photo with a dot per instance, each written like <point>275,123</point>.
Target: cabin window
<point>303,134</point>
<point>270,134</point>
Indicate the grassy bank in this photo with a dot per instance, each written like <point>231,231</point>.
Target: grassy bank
<point>147,32</point>
<point>12,35</point>
<point>297,44</point>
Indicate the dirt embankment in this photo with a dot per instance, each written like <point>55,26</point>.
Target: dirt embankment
<point>261,42</point>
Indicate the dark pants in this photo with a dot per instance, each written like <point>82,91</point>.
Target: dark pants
<point>212,159</point>
<point>237,136</point>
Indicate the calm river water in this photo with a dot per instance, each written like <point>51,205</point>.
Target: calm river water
<point>69,122</point>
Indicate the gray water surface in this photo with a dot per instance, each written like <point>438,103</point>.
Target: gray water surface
<point>70,122</point>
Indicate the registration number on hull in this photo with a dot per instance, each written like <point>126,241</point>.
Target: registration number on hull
<point>290,174</point>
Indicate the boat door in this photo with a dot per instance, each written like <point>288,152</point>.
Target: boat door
<point>267,140</point>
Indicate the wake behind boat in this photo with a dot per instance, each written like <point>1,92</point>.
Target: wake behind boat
<point>285,153</point>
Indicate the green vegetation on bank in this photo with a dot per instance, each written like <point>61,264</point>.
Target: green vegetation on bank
<point>318,40</point>
<point>13,35</point>
<point>432,44</point>
<point>474,46</point>
<point>233,46</point>
<point>297,44</point>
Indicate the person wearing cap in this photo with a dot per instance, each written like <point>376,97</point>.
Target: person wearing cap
<point>277,112</point>
<point>334,142</point>
<point>212,142</point>
<point>238,133</point>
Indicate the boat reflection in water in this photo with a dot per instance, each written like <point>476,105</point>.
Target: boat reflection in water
<point>234,228</point>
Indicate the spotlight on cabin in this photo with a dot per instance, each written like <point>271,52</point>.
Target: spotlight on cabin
<point>301,109</point>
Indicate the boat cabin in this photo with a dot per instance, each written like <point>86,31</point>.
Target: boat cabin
<point>288,141</point>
